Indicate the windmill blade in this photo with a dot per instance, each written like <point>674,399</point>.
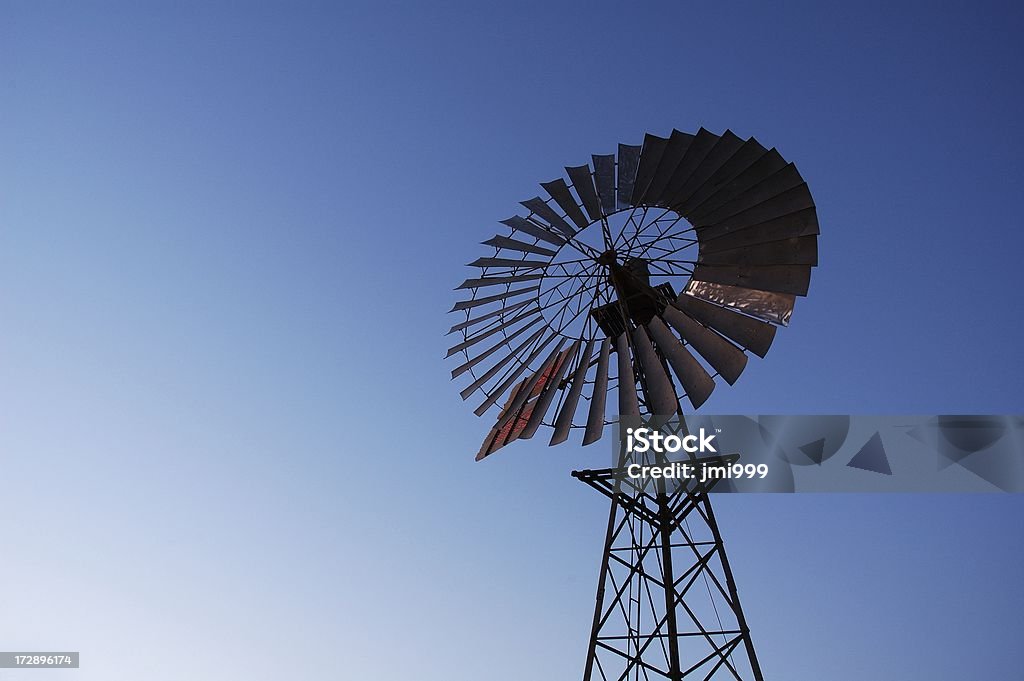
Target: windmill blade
<point>678,143</point>
<point>493,371</point>
<point>662,396</point>
<point>595,417</point>
<point>629,159</point>
<point>540,208</point>
<point>497,281</point>
<point>508,262</point>
<point>559,191</point>
<point>759,171</point>
<point>477,302</point>
<point>543,402</point>
<point>527,391</point>
<point>795,251</point>
<point>801,223</point>
<point>583,183</point>
<point>780,182</point>
<point>604,180</point>
<point>728,360</point>
<point>521,224</point>
<point>792,279</point>
<point>505,310</point>
<point>629,404</point>
<point>752,334</point>
<point>767,305</point>
<point>473,340</point>
<point>694,378</point>
<point>746,156</point>
<point>493,396</point>
<point>521,246</point>
<point>503,343</point>
<point>563,422</point>
<point>699,148</point>
<point>650,156</point>
<point>727,145</point>
<point>796,199</point>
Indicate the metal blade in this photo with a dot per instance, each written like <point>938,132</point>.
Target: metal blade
<point>508,262</point>
<point>595,417</point>
<point>800,223</point>
<point>513,245</point>
<point>530,227</point>
<point>528,388</point>
<point>493,396</point>
<point>477,302</point>
<point>660,393</point>
<point>747,155</point>
<point>559,191</point>
<point>728,360</point>
<point>751,333</point>
<point>694,378</point>
<point>497,281</point>
<point>779,278</point>
<point>772,307</point>
<point>543,402</point>
<point>604,179</point>
<point>782,181</point>
<point>548,214</point>
<point>796,199</point>
<point>629,159</point>
<point>650,155</point>
<point>766,166</point>
<point>583,183</point>
<point>490,315</point>
<point>563,423</point>
<point>493,371</point>
<point>503,343</point>
<point>473,340</point>
<point>727,145</point>
<point>678,143</point>
<point>796,251</point>
<point>695,154</point>
<point>629,404</point>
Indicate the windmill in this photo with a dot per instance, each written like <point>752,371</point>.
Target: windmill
<point>649,273</point>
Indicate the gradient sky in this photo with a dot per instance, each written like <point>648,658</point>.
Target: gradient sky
<point>228,238</point>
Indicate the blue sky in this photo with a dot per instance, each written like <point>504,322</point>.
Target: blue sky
<point>228,239</point>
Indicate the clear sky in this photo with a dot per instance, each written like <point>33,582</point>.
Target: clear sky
<point>228,238</point>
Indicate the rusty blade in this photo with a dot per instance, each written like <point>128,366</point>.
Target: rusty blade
<point>660,393</point>
<point>793,279</point>
<point>604,180</point>
<point>493,396</point>
<point>728,360</point>
<point>696,381</point>
<point>503,343</point>
<point>563,422</point>
<point>771,307</point>
<point>507,310</point>
<point>559,191</point>
<point>727,145</point>
<point>676,148</point>
<point>583,183</point>
<point>486,300</point>
<point>499,365</point>
<point>521,246</point>
<point>747,155</point>
<point>766,166</point>
<point>531,383</point>
<point>543,403</point>
<point>796,251</point>
<point>629,159</point>
<point>595,416</point>
<point>650,156</point>
<point>629,404</point>
<point>801,223</point>
<point>540,208</point>
<point>780,182</point>
<point>508,262</point>
<point>521,224</point>
<point>752,334</point>
<point>473,340</point>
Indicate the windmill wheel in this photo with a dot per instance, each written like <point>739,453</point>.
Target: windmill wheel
<point>679,257</point>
